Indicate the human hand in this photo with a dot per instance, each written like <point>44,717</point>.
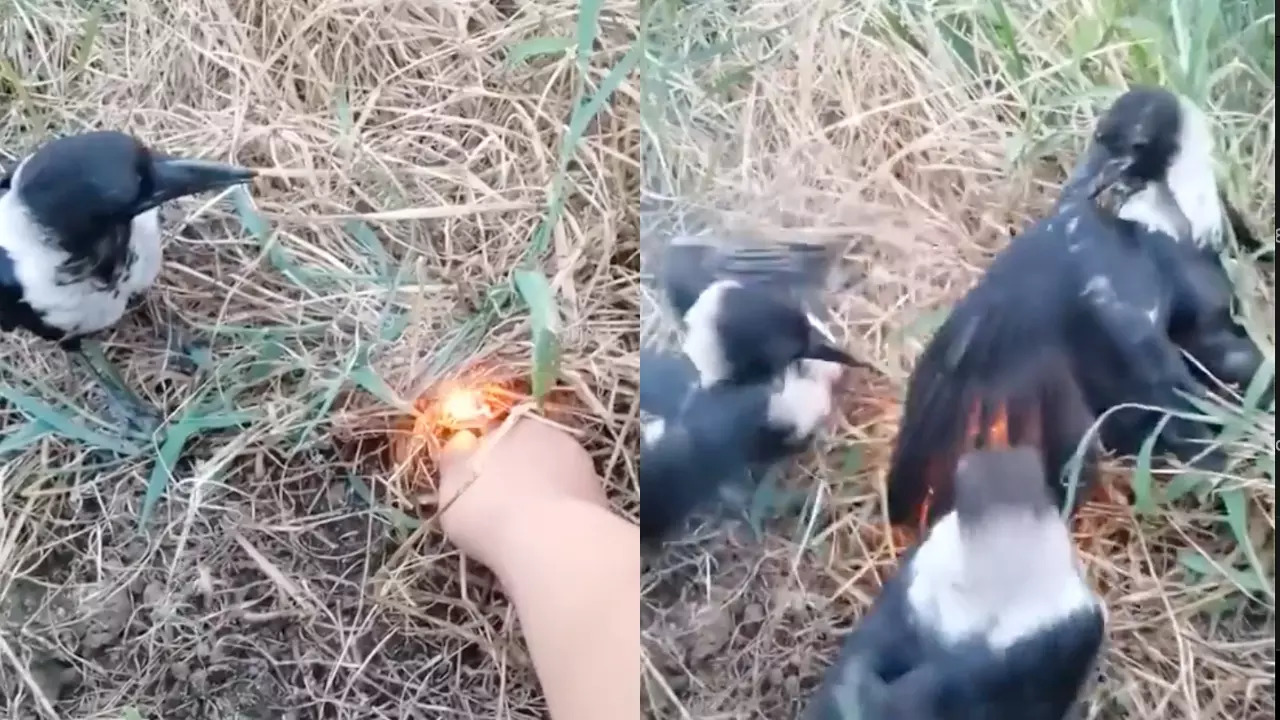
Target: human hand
<point>492,488</point>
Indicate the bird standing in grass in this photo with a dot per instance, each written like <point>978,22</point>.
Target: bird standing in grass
<point>80,240</point>
<point>752,383</point>
<point>988,618</point>
<point>1087,310</point>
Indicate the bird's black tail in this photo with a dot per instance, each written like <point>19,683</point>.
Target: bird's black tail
<point>994,388</point>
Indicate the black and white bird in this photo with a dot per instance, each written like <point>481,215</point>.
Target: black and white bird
<point>988,618</point>
<point>752,383</point>
<point>1086,311</point>
<point>80,240</point>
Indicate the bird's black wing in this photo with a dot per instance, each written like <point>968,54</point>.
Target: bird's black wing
<point>685,460</point>
<point>1040,677</point>
<point>799,271</point>
<point>1118,332</point>
<point>1200,316</point>
<point>14,311</point>
<point>666,381</point>
<point>999,370</point>
<point>885,648</point>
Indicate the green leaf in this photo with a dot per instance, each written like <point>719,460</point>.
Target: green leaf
<point>851,463</point>
<point>522,52</point>
<point>588,22</point>
<point>1183,484</point>
<point>84,47</point>
<point>402,522</point>
<point>544,318</point>
<point>368,240</point>
<point>1143,497</point>
<point>371,383</point>
<point>1237,505</point>
<point>1007,35</point>
<point>1203,567</point>
<point>26,435</point>
<point>179,434</point>
<point>63,424</point>
<point>1238,421</point>
<point>346,119</point>
<point>258,227</point>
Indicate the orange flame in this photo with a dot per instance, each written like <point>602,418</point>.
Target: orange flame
<point>465,408</point>
<point>998,430</point>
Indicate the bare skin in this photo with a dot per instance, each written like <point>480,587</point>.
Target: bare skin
<point>531,508</point>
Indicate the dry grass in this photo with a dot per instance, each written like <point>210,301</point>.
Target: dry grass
<point>817,117</point>
<point>263,585</point>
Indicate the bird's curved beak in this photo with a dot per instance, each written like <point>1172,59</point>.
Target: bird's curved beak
<point>1100,172</point>
<point>820,348</point>
<point>173,178</point>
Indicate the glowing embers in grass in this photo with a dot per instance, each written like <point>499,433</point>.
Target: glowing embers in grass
<point>463,407</point>
<point>476,404</point>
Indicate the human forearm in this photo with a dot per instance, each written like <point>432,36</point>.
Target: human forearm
<point>574,577</point>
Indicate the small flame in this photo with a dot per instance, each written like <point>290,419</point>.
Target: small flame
<point>998,433</point>
<point>465,408</point>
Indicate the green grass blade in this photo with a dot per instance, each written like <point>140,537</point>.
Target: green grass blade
<point>588,25</point>
<point>63,424</point>
<point>1237,506</point>
<point>544,318</point>
<point>1205,567</point>
<point>1143,480</point>
<point>180,433</point>
<point>84,46</point>
<point>402,522</point>
<point>25,436</point>
<point>523,52</point>
<point>368,240</point>
<point>1183,484</point>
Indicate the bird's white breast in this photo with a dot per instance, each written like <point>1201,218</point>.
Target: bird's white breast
<point>83,306</point>
<point>802,400</point>
<point>1001,588</point>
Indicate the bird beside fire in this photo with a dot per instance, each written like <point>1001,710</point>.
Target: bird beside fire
<point>753,380</point>
<point>80,241</point>
<point>987,618</point>
<point>1088,310</point>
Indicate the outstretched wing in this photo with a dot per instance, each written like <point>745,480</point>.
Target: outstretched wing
<point>1003,349</point>
<point>800,271</point>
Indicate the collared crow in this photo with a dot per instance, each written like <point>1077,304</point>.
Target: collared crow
<point>752,382</point>
<point>1086,311</point>
<point>80,240</point>
<point>988,617</point>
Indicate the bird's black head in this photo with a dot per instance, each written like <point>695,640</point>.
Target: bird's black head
<point>78,185</point>
<point>1134,144</point>
<point>747,333</point>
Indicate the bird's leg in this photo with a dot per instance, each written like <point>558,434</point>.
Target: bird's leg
<point>125,405</point>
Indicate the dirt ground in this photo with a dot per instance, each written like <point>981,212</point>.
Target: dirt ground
<point>263,584</point>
